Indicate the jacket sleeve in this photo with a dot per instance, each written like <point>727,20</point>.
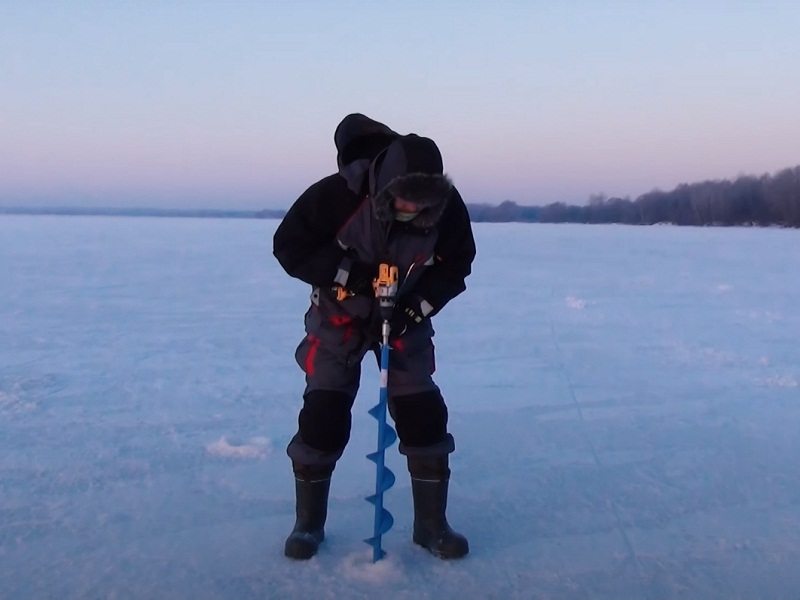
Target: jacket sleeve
<point>454,254</point>
<point>305,241</point>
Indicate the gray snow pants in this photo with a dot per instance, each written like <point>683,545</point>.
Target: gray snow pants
<point>331,355</point>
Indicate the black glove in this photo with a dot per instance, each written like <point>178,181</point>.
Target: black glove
<point>359,281</point>
<point>407,313</point>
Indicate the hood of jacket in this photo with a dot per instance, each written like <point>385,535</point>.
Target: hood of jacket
<point>358,141</point>
<point>410,168</point>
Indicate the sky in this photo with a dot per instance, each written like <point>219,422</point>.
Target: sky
<point>234,104</point>
<point>625,412</point>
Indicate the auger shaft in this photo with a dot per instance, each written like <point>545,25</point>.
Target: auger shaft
<point>385,291</point>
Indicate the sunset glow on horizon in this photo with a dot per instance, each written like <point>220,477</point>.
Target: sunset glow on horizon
<point>234,105</point>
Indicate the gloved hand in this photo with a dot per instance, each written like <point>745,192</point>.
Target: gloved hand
<point>360,279</point>
<point>407,313</point>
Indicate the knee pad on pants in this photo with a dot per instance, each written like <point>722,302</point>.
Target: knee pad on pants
<point>325,420</point>
<point>421,419</point>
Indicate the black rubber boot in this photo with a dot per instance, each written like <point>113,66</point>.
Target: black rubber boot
<point>312,510</point>
<point>429,483</point>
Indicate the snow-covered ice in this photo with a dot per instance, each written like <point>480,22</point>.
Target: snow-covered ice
<point>624,400</point>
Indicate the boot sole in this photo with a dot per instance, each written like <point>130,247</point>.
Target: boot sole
<point>301,545</point>
<point>443,555</point>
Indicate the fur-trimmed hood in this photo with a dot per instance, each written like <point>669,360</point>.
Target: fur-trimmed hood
<point>410,168</point>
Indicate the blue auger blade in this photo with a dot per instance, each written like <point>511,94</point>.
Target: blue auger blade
<point>382,483</point>
<point>377,552</point>
<point>386,522</point>
<point>384,478</point>
<point>389,436</point>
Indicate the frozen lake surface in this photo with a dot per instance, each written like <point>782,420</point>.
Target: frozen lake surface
<point>625,404</point>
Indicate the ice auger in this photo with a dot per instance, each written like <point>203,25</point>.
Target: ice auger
<point>385,290</point>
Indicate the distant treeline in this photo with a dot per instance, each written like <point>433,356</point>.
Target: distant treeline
<point>747,200</point>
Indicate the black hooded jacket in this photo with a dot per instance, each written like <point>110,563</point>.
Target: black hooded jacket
<point>306,244</point>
